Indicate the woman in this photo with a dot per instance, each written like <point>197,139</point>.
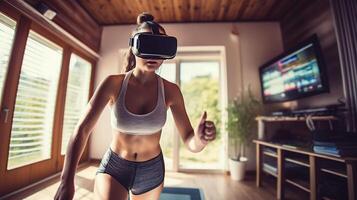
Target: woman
<point>134,160</point>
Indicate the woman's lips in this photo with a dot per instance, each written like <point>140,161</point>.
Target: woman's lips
<point>151,62</point>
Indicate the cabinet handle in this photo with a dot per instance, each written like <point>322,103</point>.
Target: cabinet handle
<point>6,111</point>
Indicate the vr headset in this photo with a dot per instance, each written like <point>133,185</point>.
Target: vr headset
<point>153,45</point>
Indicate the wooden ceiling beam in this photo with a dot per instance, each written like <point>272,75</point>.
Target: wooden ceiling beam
<point>116,12</point>
<point>223,8</point>
<point>262,13</point>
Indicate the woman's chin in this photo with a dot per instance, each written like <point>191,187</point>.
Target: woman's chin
<point>152,67</point>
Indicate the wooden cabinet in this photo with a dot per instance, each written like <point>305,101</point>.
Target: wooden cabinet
<point>316,165</point>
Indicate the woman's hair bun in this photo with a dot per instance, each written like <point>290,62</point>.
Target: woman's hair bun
<point>144,17</point>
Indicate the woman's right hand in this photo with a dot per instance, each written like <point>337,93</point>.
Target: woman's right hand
<point>65,191</point>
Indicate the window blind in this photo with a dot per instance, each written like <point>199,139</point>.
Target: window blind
<point>7,32</point>
<point>31,133</point>
<point>76,96</point>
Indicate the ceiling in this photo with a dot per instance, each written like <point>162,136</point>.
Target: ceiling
<point>117,12</point>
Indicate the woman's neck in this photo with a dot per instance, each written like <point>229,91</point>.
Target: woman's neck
<point>143,77</point>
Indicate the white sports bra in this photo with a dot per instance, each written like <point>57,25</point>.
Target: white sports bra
<point>127,122</point>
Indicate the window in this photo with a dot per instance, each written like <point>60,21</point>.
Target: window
<point>31,133</point>
<point>32,60</point>
<point>199,83</point>
<point>168,72</point>
<point>76,96</point>
<point>7,32</point>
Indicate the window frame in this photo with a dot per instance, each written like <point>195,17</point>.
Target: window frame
<point>202,53</point>
<point>85,155</point>
<point>28,174</point>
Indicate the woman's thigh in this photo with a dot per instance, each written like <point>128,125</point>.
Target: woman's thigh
<point>107,188</point>
<point>153,194</point>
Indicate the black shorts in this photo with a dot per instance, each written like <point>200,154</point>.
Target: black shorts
<point>138,177</point>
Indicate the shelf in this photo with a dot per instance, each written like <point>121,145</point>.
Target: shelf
<point>298,161</point>
<point>305,151</point>
<point>270,173</point>
<point>333,187</point>
<point>270,154</point>
<point>326,198</point>
<point>335,172</point>
<point>304,185</point>
<point>299,164</point>
<point>334,168</point>
<point>269,151</point>
<point>288,118</point>
<point>270,169</point>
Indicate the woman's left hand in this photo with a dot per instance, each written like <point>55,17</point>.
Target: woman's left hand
<point>206,130</point>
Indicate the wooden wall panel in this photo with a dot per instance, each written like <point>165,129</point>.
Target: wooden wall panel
<point>302,22</point>
<point>83,18</point>
<point>223,8</point>
<point>252,9</point>
<point>235,9</point>
<point>264,10</point>
<point>280,8</point>
<point>73,18</point>
<point>345,15</point>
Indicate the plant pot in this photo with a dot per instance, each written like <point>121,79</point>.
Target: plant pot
<point>237,168</point>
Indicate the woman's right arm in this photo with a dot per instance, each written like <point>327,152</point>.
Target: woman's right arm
<point>80,136</point>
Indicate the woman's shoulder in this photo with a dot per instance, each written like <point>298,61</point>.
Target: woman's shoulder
<point>172,90</point>
<point>168,85</point>
<point>117,77</point>
<point>115,81</point>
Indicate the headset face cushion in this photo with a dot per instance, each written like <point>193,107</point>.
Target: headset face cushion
<point>152,46</point>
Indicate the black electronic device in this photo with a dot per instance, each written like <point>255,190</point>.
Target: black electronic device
<point>281,113</point>
<point>297,73</point>
<point>312,111</point>
<point>332,109</point>
<point>152,46</point>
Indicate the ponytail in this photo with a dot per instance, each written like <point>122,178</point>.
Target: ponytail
<point>141,21</point>
<point>129,61</point>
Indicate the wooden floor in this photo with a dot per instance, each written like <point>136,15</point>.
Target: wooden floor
<point>215,186</point>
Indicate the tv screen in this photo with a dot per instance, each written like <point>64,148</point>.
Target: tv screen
<point>294,74</point>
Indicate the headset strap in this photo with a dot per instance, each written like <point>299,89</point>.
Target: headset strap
<point>154,26</point>
<point>155,30</point>
<point>131,41</point>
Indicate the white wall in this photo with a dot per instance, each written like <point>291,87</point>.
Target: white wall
<point>259,42</point>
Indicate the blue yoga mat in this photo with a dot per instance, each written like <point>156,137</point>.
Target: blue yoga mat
<point>181,193</point>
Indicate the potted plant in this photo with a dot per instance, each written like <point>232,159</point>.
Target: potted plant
<point>240,127</point>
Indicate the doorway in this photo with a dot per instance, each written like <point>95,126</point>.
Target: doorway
<point>199,76</point>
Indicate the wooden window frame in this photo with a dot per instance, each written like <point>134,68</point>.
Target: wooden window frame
<point>85,155</point>
<point>16,178</point>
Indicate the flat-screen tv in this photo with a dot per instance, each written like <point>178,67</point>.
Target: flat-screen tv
<point>297,73</point>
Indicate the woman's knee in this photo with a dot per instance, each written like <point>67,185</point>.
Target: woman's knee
<point>107,188</point>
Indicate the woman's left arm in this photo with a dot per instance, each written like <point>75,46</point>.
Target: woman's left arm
<point>197,139</point>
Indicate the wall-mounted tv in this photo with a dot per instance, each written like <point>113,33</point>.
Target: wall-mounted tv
<point>297,73</point>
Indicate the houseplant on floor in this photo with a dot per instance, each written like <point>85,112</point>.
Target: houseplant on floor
<point>240,126</point>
